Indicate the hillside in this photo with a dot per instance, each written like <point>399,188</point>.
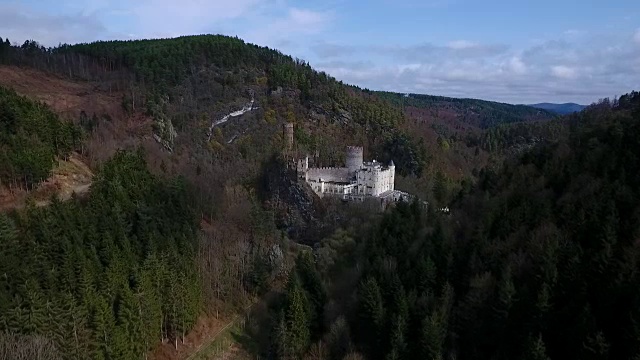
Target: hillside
<point>464,135</point>
<point>538,260</point>
<point>120,97</point>
<point>478,113</point>
<point>562,109</point>
<point>196,212</point>
<point>212,76</point>
<point>32,137</point>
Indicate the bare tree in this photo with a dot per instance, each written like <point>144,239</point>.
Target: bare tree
<point>27,347</point>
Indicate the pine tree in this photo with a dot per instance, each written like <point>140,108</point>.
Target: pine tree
<point>150,303</point>
<point>296,318</point>
<point>12,263</point>
<point>36,321</point>
<point>536,349</point>
<point>397,343</point>
<point>76,334</point>
<point>370,313</point>
<point>103,325</point>
<point>128,330</point>
<point>312,283</point>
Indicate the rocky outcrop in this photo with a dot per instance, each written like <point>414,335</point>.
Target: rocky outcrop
<point>163,129</point>
<point>297,209</point>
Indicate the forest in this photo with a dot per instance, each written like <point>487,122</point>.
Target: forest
<point>536,260</point>
<point>107,277</point>
<point>481,113</point>
<point>31,137</point>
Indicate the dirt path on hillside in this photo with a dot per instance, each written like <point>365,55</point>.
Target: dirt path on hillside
<point>71,176</point>
<point>207,332</point>
<point>198,351</point>
<point>200,334</point>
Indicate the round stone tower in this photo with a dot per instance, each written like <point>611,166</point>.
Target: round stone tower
<point>354,158</point>
<point>288,136</point>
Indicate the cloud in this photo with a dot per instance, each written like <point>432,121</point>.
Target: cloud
<point>462,45</point>
<point>345,65</point>
<point>457,50</point>
<point>576,66</point>
<point>412,53</point>
<point>266,22</point>
<point>297,23</point>
<point>516,65</point>
<point>19,23</point>
<point>84,20</point>
<point>423,4</point>
<point>564,72</point>
<point>153,18</point>
<point>326,50</point>
<point>312,20</point>
<point>574,32</point>
<point>582,69</point>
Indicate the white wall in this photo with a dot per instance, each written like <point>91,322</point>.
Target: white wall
<point>372,180</point>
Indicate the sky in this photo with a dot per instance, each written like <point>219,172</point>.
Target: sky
<point>516,51</point>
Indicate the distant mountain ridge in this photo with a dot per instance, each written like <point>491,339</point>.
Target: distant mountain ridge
<point>562,109</point>
<point>480,113</point>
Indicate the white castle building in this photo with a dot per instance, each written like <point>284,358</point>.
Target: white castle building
<point>356,181</point>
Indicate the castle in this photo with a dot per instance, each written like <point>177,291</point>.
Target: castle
<point>358,180</point>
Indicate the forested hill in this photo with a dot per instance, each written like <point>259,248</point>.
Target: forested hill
<point>185,82</point>
<point>206,76</point>
<point>125,272</point>
<point>561,109</point>
<point>182,228</point>
<point>474,112</point>
<point>538,260</point>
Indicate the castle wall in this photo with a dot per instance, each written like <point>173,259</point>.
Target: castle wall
<point>323,188</point>
<point>370,179</point>
<point>329,174</point>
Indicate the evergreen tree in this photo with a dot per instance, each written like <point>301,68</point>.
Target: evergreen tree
<point>297,335</point>
<point>313,286</point>
<point>371,314</point>
<point>535,349</point>
<point>398,344</point>
<point>76,272</point>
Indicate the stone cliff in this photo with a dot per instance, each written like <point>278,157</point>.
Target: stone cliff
<point>296,208</point>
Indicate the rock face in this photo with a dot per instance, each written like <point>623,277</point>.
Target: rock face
<point>297,209</point>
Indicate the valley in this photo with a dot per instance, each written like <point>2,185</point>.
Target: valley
<point>149,209</point>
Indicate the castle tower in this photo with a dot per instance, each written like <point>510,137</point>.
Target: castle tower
<point>303,168</point>
<point>288,136</point>
<point>354,158</point>
<point>377,181</point>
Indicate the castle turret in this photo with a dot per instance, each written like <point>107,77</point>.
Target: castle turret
<point>354,159</point>
<point>303,168</point>
<point>376,179</point>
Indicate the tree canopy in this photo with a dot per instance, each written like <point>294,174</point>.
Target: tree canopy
<point>31,137</point>
<point>107,278</point>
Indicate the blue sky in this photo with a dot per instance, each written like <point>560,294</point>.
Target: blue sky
<point>514,51</point>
